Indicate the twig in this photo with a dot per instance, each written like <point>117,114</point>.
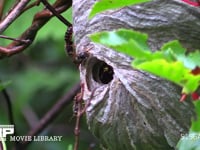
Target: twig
<point>2,2</point>
<point>60,17</point>
<point>78,103</point>
<point>36,3</point>
<point>77,127</point>
<point>30,116</point>
<point>13,14</point>
<point>13,39</point>
<point>9,106</point>
<point>80,111</point>
<point>53,113</point>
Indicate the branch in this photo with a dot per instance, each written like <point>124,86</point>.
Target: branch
<point>60,17</point>
<point>2,2</point>
<point>13,14</point>
<point>39,20</point>
<point>36,3</point>
<point>30,116</point>
<point>53,112</point>
<point>13,39</point>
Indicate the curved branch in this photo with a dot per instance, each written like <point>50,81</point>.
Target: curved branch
<point>13,14</point>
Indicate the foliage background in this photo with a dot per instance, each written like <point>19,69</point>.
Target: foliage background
<point>39,77</point>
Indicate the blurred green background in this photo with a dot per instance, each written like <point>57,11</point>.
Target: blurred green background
<point>39,77</point>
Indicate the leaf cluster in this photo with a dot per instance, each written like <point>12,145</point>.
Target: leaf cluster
<point>171,61</point>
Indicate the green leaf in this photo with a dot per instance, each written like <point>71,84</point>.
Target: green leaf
<point>177,48</point>
<point>177,52</point>
<point>130,42</point>
<point>170,62</point>
<point>196,123</point>
<point>172,71</point>
<point>193,59</point>
<point>173,50</point>
<point>103,5</point>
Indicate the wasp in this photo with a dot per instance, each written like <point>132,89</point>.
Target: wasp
<point>70,48</point>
